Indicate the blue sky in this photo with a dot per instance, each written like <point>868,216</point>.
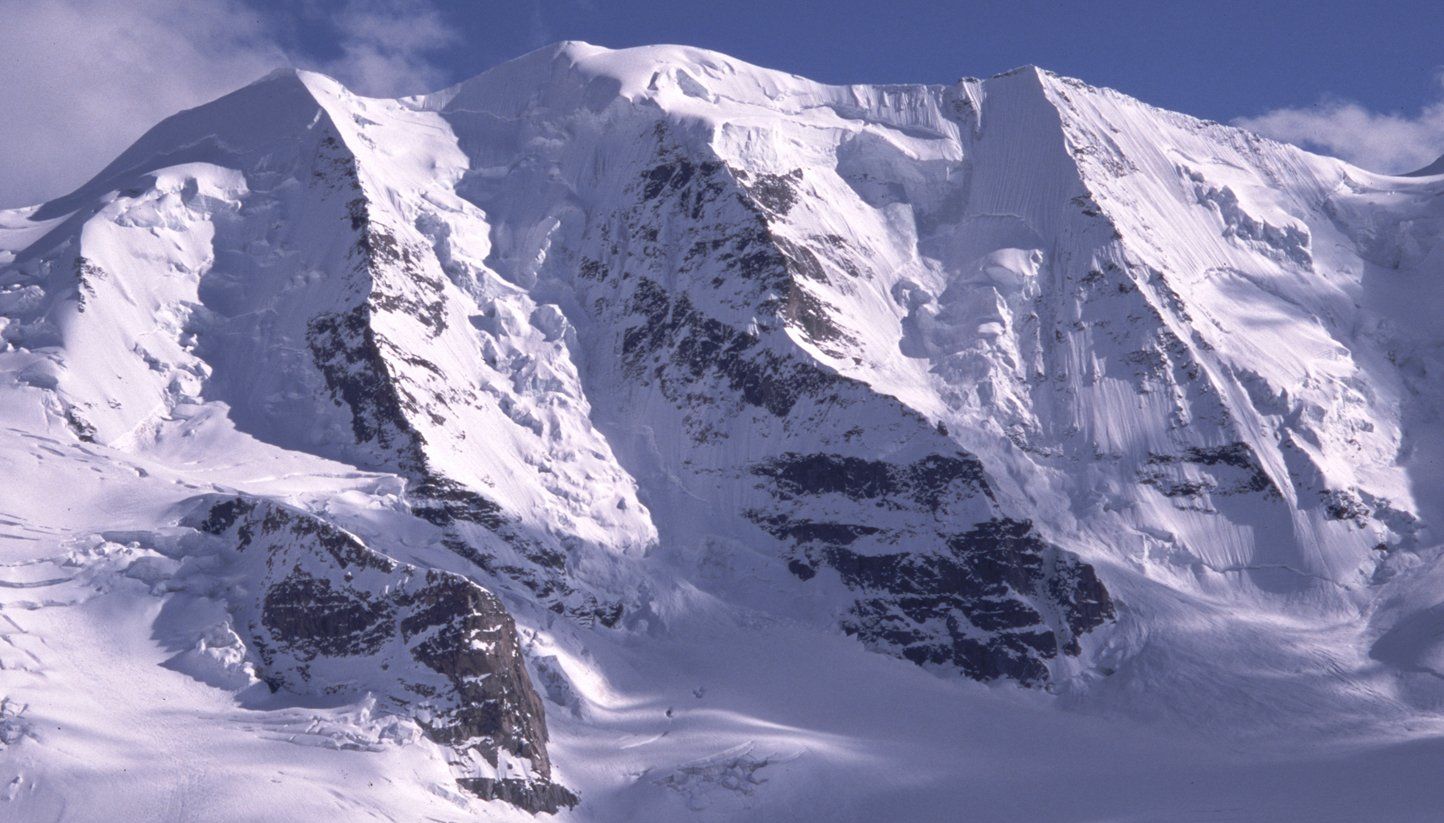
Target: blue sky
<point>80,79</point>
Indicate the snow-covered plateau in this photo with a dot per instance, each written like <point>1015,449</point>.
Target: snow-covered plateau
<point>643,435</point>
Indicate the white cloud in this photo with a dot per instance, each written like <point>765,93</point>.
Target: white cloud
<point>1390,143</point>
<point>386,48</point>
<point>82,79</point>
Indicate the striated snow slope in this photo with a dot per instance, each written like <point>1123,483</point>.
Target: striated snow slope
<point>635,434</point>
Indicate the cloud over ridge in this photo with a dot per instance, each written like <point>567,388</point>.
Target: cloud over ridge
<point>1384,142</point>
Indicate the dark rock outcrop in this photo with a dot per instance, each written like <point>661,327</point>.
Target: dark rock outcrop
<point>1219,470</point>
<point>993,600</point>
<point>326,614</point>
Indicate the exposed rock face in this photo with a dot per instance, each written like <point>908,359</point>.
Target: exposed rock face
<point>326,614</point>
<point>993,600</point>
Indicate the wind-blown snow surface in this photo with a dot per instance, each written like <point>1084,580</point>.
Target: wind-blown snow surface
<point>643,435</point>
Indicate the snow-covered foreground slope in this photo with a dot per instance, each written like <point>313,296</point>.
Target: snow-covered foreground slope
<point>643,435</point>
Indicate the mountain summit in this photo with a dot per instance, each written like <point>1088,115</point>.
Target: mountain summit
<point>629,434</point>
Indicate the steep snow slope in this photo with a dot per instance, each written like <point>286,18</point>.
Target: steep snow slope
<point>692,364</point>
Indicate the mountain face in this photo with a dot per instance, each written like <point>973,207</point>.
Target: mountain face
<point>455,405</point>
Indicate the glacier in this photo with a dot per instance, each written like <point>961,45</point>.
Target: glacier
<point>644,435</point>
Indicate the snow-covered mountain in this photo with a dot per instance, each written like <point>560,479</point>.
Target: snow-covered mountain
<point>624,434</point>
